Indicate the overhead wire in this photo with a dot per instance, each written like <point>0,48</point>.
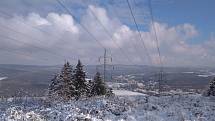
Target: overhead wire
<point>26,35</point>
<point>157,44</point>
<point>8,15</point>
<point>155,32</point>
<point>74,17</point>
<point>32,45</point>
<point>160,75</point>
<point>33,27</point>
<point>25,54</point>
<point>83,26</point>
<point>135,45</point>
<point>111,36</point>
<point>139,33</point>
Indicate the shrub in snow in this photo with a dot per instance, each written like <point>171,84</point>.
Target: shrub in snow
<point>211,90</point>
<point>17,114</point>
<point>32,116</point>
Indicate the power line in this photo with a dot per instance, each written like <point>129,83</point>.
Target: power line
<point>38,40</point>
<point>19,53</point>
<point>85,28</point>
<point>141,38</point>
<point>156,38</point>
<point>155,32</point>
<point>110,35</point>
<point>114,11</point>
<point>6,14</point>
<point>157,44</point>
<point>10,38</point>
<point>28,44</point>
<point>15,31</point>
<point>33,27</point>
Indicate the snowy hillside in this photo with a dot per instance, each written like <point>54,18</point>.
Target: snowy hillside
<point>131,107</point>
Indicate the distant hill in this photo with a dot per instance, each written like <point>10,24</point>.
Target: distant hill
<point>34,80</point>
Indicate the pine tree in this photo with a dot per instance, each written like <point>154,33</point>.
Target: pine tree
<point>80,81</point>
<point>89,88</point>
<point>99,87</point>
<point>211,90</point>
<point>62,86</point>
<point>55,88</point>
<point>67,75</point>
<point>52,87</point>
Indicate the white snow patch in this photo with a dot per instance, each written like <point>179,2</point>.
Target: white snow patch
<point>188,72</point>
<point>126,92</point>
<point>202,75</point>
<point>2,78</point>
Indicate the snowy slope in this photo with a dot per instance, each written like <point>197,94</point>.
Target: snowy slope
<point>192,107</point>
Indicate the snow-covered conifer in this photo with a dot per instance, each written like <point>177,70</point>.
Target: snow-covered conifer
<point>80,82</point>
<point>89,88</point>
<point>67,74</point>
<point>211,90</point>
<point>55,88</point>
<point>62,84</point>
<point>99,87</point>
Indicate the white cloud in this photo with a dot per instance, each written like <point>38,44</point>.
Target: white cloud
<point>61,35</point>
<point>188,30</point>
<point>35,20</point>
<point>63,22</point>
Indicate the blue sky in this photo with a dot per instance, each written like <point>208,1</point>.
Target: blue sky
<point>198,12</point>
<point>185,29</point>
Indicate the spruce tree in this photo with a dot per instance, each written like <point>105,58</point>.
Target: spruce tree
<point>62,86</point>
<point>52,87</point>
<point>55,88</point>
<point>80,81</point>
<point>89,88</point>
<point>211,90</point>
<point>99,87</point>
<point>67,75</point>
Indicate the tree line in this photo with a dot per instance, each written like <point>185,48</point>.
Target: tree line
<point>72,84</point>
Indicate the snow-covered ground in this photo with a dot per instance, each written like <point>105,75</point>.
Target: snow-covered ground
<point>131,107</point>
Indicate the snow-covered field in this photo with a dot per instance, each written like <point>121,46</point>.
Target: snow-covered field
<point>131,107</point>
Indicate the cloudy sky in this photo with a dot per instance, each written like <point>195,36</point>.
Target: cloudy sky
<point>42,32</point>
